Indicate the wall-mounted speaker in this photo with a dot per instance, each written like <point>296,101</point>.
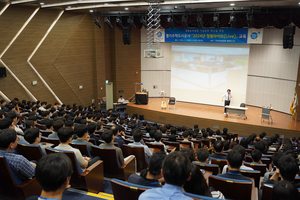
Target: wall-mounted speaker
<point>2,72</point>
<point>126,35</point>
<point>288,37</point>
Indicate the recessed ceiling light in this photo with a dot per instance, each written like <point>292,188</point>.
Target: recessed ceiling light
<point>232,4</point>
<point>106,4</point>
<point>91,11</point>
<point>42,3</point>
<point>126,8</point>
<point>299,3</point>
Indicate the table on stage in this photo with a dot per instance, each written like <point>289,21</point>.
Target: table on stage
<point>120,105</point>
<point>241,111</point>
<point>141,98</point>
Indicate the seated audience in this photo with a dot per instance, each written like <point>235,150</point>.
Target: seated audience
<point>137,136</point>
<point>57,124</point>
<point>234,162</point>
<point>157,137</point>
<point>284,190</point>
<point>218,148</point>
<point>33,136</point>
<point>189,152</point>
<point>65,135</point>
<point>91,128</point>
<point>83,137</point>
<point>118,137</point>
<point>53,172</point>
<point>197,185</point>
<point>275,159</point>
<point>256,156</point>
<point>49,125</point>
<point>108,138</point>
<point>152,175</point>
<point>23,168</point>
<point>202,155</point>
<point>176,170</point>
<point>185,136</point>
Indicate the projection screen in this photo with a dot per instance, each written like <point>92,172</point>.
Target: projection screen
<point>201,73</point>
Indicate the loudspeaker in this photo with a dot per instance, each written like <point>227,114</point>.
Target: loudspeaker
<point>2,72</point>
<point>288,37</point>
<point>126,35</point>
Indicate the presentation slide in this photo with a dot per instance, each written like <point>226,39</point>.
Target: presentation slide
<point>203,73</point>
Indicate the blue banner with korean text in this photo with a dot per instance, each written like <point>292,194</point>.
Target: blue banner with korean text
<point>207,35</point>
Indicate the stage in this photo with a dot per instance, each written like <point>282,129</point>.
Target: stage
<point>188,114</point>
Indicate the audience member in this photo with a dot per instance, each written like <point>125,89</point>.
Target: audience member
<point>56,126</point>
<point>83,137</point>
<point>284,190</point>
<point>202,155</point>
<point>33,136</point>
<point>218,148</point>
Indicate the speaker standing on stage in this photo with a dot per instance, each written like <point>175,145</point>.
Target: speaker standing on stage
<point>227,97</point>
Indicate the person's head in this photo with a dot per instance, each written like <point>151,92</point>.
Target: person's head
<point>244,142</point>
<point>168,126</point>
<point>107,136</point>
<point>81,130</point>
<point>163,130</point>
<point>240,149</point>
<point>53,172</point>
<point>259,146</point>
<point>152,133</point>
<point>155,165</point>
<point>29,124</point>
<point>197,184</point>
<point>49,124</point>
<point>189,152</point>
<point>6,123</point>
<point>121,97</point>
<point>291,153</point>
<point>1,114</point>
<point>65,134</point>
<point>194,134</point>
<point>202,155</point>
<point>69,123</point>
<point>232,145</point>
<point>225,130</point>
<point>12,115</point>
<point>185,135</point>
<point>158,136</point>
<point>211,132</point>
<point>173,131</point>
<point>32,135</point>
<point>8,139</point>
<point>99,126</point>
<point>256,155</point>
<point>288,167</point>
<point>204,135</point>
<point>57,124</point>
<point>45,114</point>
<point>234,159</point>
<point>228,91</point>
<point>91,127</point>
<point>218,132</point>
<point>137,135</point>
<point>225,145</point>
<point>218,146</point>
<point>83,121</point>
<point>115,130</point>
<point>276,157</point>
<point>172,138</point>
<point>176,168</point>
<point>3,102</point>
<point>284,190</point>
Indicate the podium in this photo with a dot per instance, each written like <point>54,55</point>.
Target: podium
<point>141,98</point>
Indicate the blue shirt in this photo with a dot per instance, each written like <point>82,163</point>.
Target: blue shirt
<point>167,192</point>
<point>20,165</point>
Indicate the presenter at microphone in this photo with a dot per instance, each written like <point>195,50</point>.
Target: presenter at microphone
<point>227,97</point>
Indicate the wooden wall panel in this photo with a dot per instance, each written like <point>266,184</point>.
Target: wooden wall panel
<point>298,89</point>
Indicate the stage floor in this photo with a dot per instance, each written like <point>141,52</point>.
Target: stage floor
<point>188,114</point>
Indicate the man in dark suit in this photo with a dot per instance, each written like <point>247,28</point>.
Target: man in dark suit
<point>218,148</point>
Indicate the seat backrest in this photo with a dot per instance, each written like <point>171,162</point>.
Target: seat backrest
<point>266,191</point>
<point>265,110</point>
<point>156,146</point>
<point>139,154</point>
<point>206,142</point>
<point>220,162</point>
<point>208,167</point>
<point>172,100</point>
<point>185,144</point>
<point>54,141</point>
<point>41,126</point>
<point>198,197</point>
<point>231,188</point>
<point>123,190</point>
<point>255,174</point>
<point>109,157</point>
<point>45,133</point>
<point>30,151</point>
<point>174,144</point>
<point>82,148</point>
<point>259,167</point>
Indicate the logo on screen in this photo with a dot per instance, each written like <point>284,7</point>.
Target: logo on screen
<point>159,34</point>
<point>254,35</point>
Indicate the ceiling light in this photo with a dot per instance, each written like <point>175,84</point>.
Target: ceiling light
<point>96,21</point>
<point>232,4</point>
<point>200,20</point>
<point>130,21</point>
<point>119,22</point>
<point>126,8</point>
<point>42,3</point>
<point>107,21</point>
<point>91,11</point>
<point>299,3</point>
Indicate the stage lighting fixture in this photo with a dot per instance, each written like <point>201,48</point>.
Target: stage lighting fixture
<point>200,20</point>
<point>216,20</point>
<point>232,20</point>
<point>143,20</point>
<point>185,21</point>
<point>107,22</point>
<point>130,21</point>
<point>249,16</point>
<point>119,22</point>
<point>96,21</point>
<point>170,21</point>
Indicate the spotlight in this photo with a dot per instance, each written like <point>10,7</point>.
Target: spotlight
<point>200,20</point>
<point>143,20</point>
<point>249,16</point>
<point>96,21</point>
<point>107,22</point>
<point>216,20</point>
<point>130,21</point>
<point>232,19</point>
<point>185,21</point>
<point>170,21</point>
<point>119,22</point>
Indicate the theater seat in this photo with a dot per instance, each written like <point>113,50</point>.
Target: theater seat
<point>208,167</point>
<point>92,179</point>
<point>220,162</point>
<point>82,148</point>
<point>259,167</point>
<point>155,146</point>
<point>139,154</point>
<point>232,188</point>
<point>12,187</point>
<point>112,166</point>
<point>54,141</point>
<point>30,151</point>
<point>255,174</point>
